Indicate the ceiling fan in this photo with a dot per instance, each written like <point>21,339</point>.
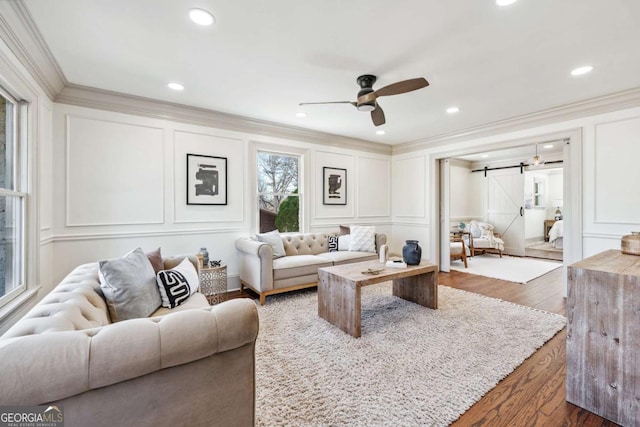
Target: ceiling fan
<point>366,100</point>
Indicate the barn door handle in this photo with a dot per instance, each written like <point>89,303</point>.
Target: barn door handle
<point>521,211</point>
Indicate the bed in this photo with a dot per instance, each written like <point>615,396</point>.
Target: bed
<point>556,234</point>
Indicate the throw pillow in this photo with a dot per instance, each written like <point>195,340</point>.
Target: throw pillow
<point>474,229</point>
<point>344,229</point>
<point>129,286</point>
<point>178,284</point>
<point>155,258</point>
<point>343,242</point>
<point>333,243</point>
<point>363,238</point>
<point>274,240</point>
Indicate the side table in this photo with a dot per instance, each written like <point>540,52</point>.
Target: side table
<point>213,283</point>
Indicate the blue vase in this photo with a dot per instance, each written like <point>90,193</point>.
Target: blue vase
<point>411,252</point>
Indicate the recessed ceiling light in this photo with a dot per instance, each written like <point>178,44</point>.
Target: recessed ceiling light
<point>380,132</point>
<point>453,110</point>
<point>505,2</point>
<point>548,146</point>
<point>484,156</point>
<point>581,70</point>
<point>301,114</point>
<point>175,86</point>
<point>201,17</point>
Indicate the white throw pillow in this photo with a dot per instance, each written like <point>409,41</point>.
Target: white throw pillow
<point>274,240</point>
<point>363,238</point>
<point>343,242</point>
<point>178,284</point>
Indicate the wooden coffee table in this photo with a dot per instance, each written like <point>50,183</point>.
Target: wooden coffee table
<point>339,290</point>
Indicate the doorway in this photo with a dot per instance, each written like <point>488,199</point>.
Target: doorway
<point>570,154</point>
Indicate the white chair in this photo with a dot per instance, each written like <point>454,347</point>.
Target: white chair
<point>482,239</point>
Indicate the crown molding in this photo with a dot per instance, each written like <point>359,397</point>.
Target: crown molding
<point>23,38</point>
<point>84,96</point>
<point>599,105</point>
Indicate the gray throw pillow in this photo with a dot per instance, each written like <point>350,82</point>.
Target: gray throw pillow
<point>129,286</point>
<point>274,240</point>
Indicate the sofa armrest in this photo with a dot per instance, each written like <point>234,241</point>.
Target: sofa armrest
<point>52,366</point>
<point>256,264</point>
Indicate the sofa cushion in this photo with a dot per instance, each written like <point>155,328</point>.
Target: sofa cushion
<point>363,238</point>
<point>344,257</point>
<point>298,265</point>
<point>196,300</point>
<point>178,284</point>
<point>274,240</point>
<point>129,286</point>
<point>305,244</point>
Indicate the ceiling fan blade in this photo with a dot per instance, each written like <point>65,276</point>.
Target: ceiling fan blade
<point>329,102</point>
<point>402,87</point>
<point>377,116</point>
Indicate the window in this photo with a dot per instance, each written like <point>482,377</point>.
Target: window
<point>11,203</point>
<point>278,192</point>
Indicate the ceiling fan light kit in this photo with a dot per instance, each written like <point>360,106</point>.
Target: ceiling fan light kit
<point>366,100</point>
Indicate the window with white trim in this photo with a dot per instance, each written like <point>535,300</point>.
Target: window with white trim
<point>279,192</point>
<point>12,201</point>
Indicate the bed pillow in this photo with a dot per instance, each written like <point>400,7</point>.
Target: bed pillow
<point>129,286</point>
<point>178,284</point>
<point>274,240</point>
<point>363,238</point>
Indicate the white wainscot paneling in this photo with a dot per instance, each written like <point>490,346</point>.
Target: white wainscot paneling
<point>408,183</point>
<point>324,159</point>
<point>403,232</point>
<point>616,176</point>
<point>208,145</point>
<point>592,245</point>
<point>374,186</point>
<point>115,173</point>
<point>45,169</point>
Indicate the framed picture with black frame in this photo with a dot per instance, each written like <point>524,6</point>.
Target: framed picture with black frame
<point>206,180</point>
<point>334,186</point>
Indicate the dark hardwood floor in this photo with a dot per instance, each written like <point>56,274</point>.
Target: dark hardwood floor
<point>534,394</point>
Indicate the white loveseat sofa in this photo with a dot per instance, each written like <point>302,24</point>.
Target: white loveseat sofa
<point>190,365</point>
<point>305,253</point>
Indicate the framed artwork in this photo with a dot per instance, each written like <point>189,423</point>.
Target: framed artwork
<point>206,180</point>
<point>334,186</point>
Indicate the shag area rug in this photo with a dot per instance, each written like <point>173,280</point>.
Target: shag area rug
<point>513,269</point>
<point>412,365</point>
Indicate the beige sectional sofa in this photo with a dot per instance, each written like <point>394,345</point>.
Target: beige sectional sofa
<point>305,253</point>
<point>191,365</point>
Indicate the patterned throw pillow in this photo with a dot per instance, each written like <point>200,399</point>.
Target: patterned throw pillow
<point>178,284</point>
<point>363,238</point>
<point>333,243</point>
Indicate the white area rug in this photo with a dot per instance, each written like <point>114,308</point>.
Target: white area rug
<point>513,269</point>
<point>412,366</point>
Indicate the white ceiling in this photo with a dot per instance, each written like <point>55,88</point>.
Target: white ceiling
<point>264,57</point>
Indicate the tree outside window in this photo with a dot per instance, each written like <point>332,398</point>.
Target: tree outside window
<point>278,195</point>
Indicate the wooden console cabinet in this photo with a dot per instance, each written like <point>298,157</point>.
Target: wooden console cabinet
<point>603,336</point>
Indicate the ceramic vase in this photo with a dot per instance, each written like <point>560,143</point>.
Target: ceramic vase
<point>205,256</point>
<point>411,252</point>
